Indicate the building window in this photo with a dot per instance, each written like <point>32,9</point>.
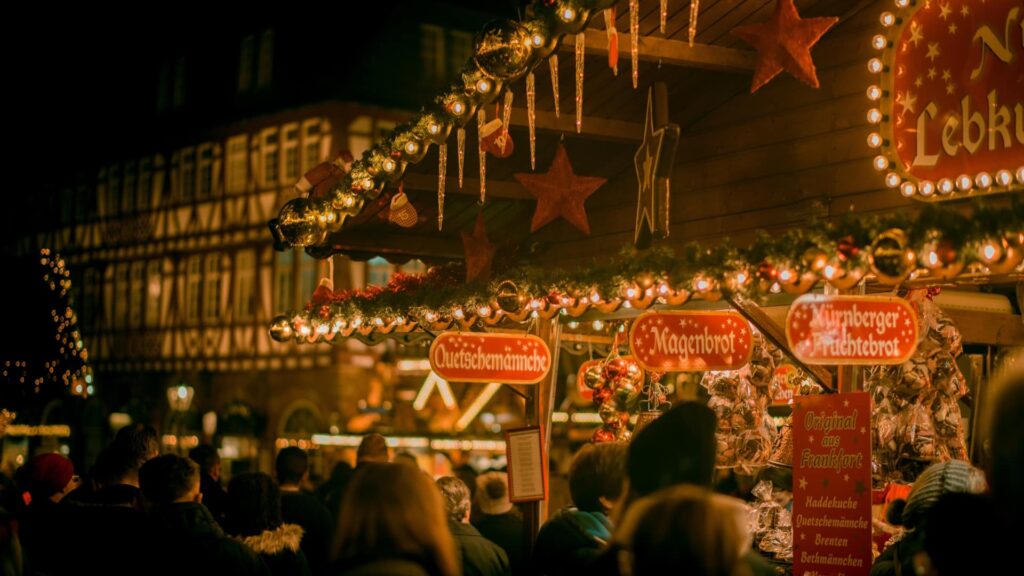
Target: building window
<point>187,172</point>
<point>245,278</point>
<point>284,272</point>
<point>271,156</point>
<point>205,161</point>
<point>211,288</point>
<point>414,267</point>
<point>137,294</point>
<point>246,57</point>
<point>193,293</point>
<point>290,152</point>
<point>90,298</point>
<point>163,87</point>
<point>121,287</point>
<point>128,197</point>
<point>180,71</point>
<point>309,277</point>
<point>154,288</point>
<point>378,271</point>
<point>113,189</point>
<point>145,194</point>
<point>460,49</point>
<point>266,69</point>
<point>432,53</point>
<point>311,144</point>
<point>238,163</point>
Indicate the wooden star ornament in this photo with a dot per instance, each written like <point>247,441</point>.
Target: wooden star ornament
<point>560,193</point>
<point>479,252</point>
<point>784,43</point>
<point>653,162</point>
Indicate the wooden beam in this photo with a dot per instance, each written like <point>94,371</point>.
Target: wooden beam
<point>411,245</point>
<point>594,127</point>
<point>988,327</point>
<point>470,186</point>
<point>772,329</point>
<point>670,52</point>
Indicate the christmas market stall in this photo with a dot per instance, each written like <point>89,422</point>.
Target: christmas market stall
<point>833,264</point>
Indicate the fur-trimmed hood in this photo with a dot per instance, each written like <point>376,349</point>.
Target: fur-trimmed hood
<point>270,542</point>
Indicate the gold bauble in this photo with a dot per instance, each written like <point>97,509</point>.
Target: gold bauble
<point>890,257</point>
<point>299,223</point>
<point>507,296</point>
<point>281,329</point>
<point>502,50</point>
<point>942,259</point>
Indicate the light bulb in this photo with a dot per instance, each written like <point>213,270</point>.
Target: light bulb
<point>983,180</point>
<point>908,189</point>
<point>892,180</point>
<point>878,42</point>
<point>926,187</point>
<point>874,140</point>
<point>963,182</point>
<point>875,66</point>
<point>874,93</point>
<point>887,19</point>
<point>881,163</point>
<point>1004,177</point>
<point>567,14</point>
<point>874,116</point>
<point>483,86</point>
<point>388,165</point>
<point>945,186</point>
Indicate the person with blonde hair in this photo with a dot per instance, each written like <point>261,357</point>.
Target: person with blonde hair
<point>392,521</point>
<point>687,527</point>
<point>499,521</point>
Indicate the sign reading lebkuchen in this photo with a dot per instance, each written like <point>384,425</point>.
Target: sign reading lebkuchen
<point>951,98</point>
<point>481,357</point>
<point>691,341</point>
<point>851,329</point>
<point>832,484</point>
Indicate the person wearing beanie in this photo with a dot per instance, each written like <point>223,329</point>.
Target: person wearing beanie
<point>47,479</point>
<point>499,522</point>
<point>951,477</point>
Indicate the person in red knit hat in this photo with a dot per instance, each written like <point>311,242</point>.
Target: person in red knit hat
<point>47,479</point>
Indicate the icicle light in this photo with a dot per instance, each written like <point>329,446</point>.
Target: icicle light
<point>442,173</point>
<point>531,117</point>
<point>461,149</point>
<point>634,39</point>
<point>580,53</point>
<point>694,9</point>
<point>553,65</point>
<point>481,119</point>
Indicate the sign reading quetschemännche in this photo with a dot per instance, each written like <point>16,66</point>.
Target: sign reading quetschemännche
<point>481,357</point>
<point>832,484</point>
<point>851,329</point>
<point>691,341</point>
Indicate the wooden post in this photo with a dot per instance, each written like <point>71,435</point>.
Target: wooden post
<point>540,401</point>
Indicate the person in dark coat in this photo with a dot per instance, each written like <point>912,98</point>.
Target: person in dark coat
<point>393,523</point>
<point>575,536</point>
<point>478,555</point>
<point>498,520</point>
<point>254,517</point>
<point>43,529</point>
<point>182,535</point>
<point>304,509</point>
<point>333,491</point>
<point>214,496</point>
<point>677,448</point>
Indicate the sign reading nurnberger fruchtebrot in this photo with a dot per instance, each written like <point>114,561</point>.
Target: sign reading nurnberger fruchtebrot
<point>481,357</point>
<point>851,329</point>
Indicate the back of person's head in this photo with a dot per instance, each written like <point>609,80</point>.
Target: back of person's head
<point>677,448</point>
<point>597,471</point>
<point>169,478</point>
<point>254,504</point>
<point>689,528</point>
<point>205,456</point>
<point>392,511</point>
<point>341,472</point>
<point>292,465</point>
<point>953,476</point>
<point>373,448</point>
<point>492,493</point>
<point>46,475</point>
<point>960,522</point>
<point>137,443</point>
<point>408,459</point>
<point>1006,449</point>
<point>455,496</point>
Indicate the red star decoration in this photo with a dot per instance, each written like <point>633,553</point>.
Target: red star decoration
<point>560,193</point>
<point>784,43</point>
<point>479,252</point>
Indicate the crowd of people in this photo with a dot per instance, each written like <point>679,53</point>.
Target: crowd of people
<point>648,507</point>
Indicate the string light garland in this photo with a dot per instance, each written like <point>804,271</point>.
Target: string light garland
<point>938,245</point>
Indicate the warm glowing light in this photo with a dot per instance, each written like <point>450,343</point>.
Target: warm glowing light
<point>1004,178</point>
<point>830,272</point>
<point>483,86</point>
<point>567,14</point>
<point>458,108</point>
<point>874,93</point>
<point>1020,174</point>
<point>878,42</point>
<point>875,65</point>
<point>983,180</point>
<point>787,275</point>
<point>888,19</point>
<point>598,325</point>
<point>434,128</point>
<point>477,405</point>
<point>741,278</point>
<point>663,288</point>
<point>388,165</point>
<point>902,3</point>
<point>892,180</point>
<point>874,140</point>
<point>963,182</point>
<point>574,325</point>
<point>908,189</point>
<point>537,40</point>
<point>990,252</point>
<point>412,147</point>
<point>945,186</point>
<point>458,313</point>
<point>874,116</point>
<point>484,311</point>
<point>926,187</point>
<point>631,293</point>
<point>881,163</point>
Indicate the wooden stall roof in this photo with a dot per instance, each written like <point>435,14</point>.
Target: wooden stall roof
<point>722,127</point>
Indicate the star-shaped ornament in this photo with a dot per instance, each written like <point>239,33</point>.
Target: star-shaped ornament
<point>560,193</point>
<point>784,43</point>
<point>479,252</point>
<point>653,161</point>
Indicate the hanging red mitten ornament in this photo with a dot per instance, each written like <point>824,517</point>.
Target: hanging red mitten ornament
<point>496,140</point>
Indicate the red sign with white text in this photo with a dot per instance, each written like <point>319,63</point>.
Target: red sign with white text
<point>955,83</point>
<point>851,329</point>
<point>691,341</point>
<point>481,357</point>
<point>832,484</point>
